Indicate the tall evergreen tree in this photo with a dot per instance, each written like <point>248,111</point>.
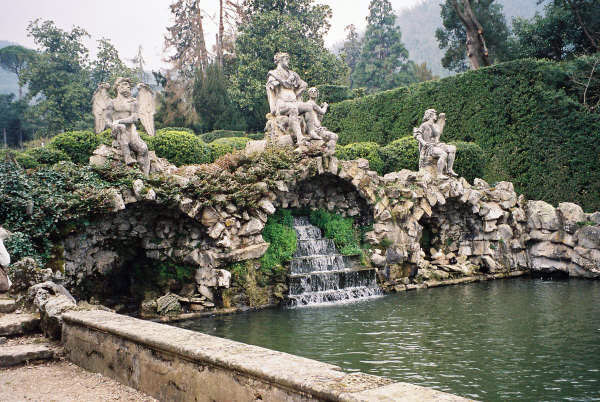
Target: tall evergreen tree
<point>474,34</point>
<point>350,51</point>
<point>212,103</point>
<point>383,62</point>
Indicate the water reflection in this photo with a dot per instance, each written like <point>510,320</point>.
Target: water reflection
<point>503,340</point>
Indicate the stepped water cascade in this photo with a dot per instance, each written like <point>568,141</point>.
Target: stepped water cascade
<point>319,274</point>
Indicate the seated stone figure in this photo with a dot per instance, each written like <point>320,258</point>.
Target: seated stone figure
<point>313,121</point>
<point>292,121</point>
<point>121,114</point>
<point>284,91</point>
<point>431,149</point>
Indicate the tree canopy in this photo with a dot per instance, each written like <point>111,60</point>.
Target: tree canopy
<point>383,61</point>
<point>453,35</point>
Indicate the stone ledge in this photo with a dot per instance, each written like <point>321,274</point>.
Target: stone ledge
<point>278,372</point>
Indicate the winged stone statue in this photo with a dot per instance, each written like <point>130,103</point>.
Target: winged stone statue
<point>121,113</point>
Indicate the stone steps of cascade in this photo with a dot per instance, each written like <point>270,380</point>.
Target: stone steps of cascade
<point>324,273</point>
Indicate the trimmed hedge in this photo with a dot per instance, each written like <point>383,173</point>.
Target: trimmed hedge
<point>180,147</point>
<point>215,135</point>
<point>334,93</point>
<point>525,115</point>
<point>224,146</point>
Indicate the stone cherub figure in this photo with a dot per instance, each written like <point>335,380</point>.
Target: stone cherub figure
<point>121,114</point>
<point>431,149</point>
<point>313,120</point>
<point>284,92</point>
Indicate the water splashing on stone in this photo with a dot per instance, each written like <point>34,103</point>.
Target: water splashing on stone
<point>319,274</point>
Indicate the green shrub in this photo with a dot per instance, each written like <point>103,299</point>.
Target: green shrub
<point>235,142</point>
<point>180,148</point>
<point>215,135</point>
<point>79,145</point>
<point>26,161</point>
<point>526,115</point>
<point>166,129</point>
<point>399,154</point>
<point>279,232</point>
<point>367,150</point>
<point>222,146</point>
<point>218,150</point>
<point>338,228</point>
<point>470,160</point>
<point>47,155</point>
<point>19,245</point>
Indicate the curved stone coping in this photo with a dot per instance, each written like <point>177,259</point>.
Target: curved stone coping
<point>304,376</point>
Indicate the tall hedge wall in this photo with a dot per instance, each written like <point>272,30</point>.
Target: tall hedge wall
<point>524,114</point>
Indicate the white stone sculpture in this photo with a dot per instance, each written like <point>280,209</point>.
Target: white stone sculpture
<point>121,113</point>
<point>5,282</point>
<point>431,150</point>
<point>313,121</point>
<point>290,116</point>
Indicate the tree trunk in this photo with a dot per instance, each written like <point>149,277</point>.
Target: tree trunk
<point>583,25</point>
<point>220,36</point>
<point>477,52</point>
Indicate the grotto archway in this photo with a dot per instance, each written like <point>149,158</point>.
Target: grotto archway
<point>117,258</point>
<point>329,192</point>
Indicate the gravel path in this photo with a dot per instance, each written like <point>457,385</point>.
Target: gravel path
<point>62,381</point>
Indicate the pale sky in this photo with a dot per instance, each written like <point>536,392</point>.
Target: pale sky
<point>130,23</point>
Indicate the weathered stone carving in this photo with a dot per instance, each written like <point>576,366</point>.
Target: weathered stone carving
<point>121,113</point>
<point>5,283</point>
<point>313,121</point>
<point>431,150</point>
<point>293,121</point>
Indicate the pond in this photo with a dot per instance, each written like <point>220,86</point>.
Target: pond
<point>518,339</point>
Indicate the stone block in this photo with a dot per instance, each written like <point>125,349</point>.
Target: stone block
<point>542,215</point>
<point>589,237</point>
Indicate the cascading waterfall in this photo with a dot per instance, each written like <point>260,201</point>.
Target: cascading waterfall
<point>319,274</point>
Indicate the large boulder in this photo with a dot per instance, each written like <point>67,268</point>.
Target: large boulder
<point>52,300</point>
<point>542,215</point>
<point>589,237</point>
<point>571,215</point>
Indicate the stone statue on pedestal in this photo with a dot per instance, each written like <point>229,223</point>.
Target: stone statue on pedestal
<point>431,150</point>
<point>5,283</point>
<point>121,113</point>
<point>290,116</point>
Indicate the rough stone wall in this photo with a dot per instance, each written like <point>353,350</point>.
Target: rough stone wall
<point>472,228</point>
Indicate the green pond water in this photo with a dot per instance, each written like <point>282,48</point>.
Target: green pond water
<point>518,339</point>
